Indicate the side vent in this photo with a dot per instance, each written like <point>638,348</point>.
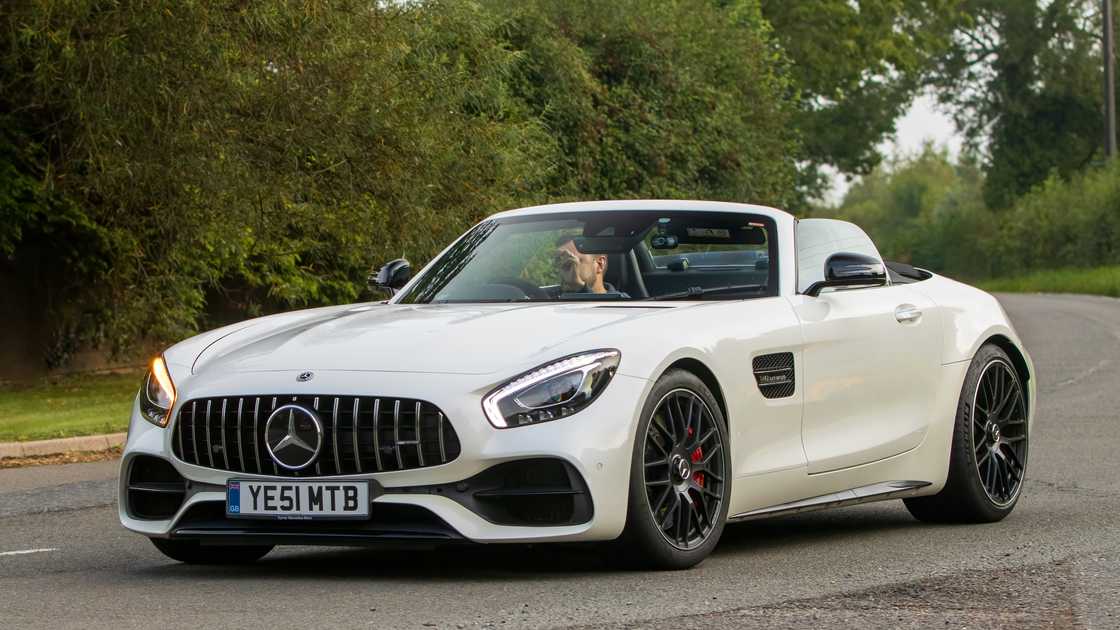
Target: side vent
<point>774,373</point>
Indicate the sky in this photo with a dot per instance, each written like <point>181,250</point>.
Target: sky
<point>924,121</point>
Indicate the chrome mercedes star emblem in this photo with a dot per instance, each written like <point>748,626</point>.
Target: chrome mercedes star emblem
<point>293,436</point>
<point>305,376</point>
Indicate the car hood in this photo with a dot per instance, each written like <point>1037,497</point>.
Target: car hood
<point>444,338</point>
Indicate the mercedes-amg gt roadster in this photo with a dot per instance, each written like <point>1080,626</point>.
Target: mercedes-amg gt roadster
<point>638,373</point>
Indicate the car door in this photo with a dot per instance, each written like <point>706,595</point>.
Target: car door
<point>871,359</point>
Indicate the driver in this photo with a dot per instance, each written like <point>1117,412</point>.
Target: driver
<point>580,273</point>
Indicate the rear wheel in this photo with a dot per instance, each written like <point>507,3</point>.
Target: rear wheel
<point>988,457</point>
<point>679,476</point>
<point>192,552</point>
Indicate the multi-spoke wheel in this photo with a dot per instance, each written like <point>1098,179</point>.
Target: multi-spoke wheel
<point>989,449</point>
<point>684,468</point>
<point>679,477</point>
<point>999,432</point>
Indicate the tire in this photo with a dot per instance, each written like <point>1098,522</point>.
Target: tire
<point>700,495</point>
<point>986,466</point>
<point>192,552</point>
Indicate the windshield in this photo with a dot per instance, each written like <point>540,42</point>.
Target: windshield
<point>605,256</point>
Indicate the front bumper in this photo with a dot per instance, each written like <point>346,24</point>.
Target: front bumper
<point>596,444</point>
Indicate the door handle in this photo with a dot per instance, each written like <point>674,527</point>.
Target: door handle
<point>907,313</point>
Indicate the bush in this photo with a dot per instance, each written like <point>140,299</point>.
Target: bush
<point>926,211</point>
<point>929,212</point>
<point>166,166</point>
<point>657,99</point>
<point>1074,223</point>
<point>260,154</point>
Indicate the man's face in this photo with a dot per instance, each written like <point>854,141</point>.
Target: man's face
<point>576,270</point>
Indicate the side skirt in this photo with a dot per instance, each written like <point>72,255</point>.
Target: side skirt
<point>863,494</point>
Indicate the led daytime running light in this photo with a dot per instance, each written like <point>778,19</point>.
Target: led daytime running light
<point>153,406</point>
<point>163,377</point>
<point>581,362</point>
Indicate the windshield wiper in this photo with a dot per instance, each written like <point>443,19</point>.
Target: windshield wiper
<point>697,293</point>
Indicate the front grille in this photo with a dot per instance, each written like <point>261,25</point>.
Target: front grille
<point>361,434</point>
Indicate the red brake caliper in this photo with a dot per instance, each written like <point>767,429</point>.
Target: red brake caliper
<point>697,455</point>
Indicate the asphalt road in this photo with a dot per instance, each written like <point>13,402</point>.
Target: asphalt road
<point>1054,563</point>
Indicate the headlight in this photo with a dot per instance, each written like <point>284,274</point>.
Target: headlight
<point>552,391</point>
<point>157,395</point>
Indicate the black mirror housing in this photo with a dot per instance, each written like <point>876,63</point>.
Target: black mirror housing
<point>391,277</point>
<point>846,269</point>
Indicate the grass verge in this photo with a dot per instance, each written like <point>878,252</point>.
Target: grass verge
<point>1092,281</point>
<point>66,407</point>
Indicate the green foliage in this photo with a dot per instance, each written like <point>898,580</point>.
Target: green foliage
<point>1086,281</point>
<point>1023,77</point>
<point>67,406</point>
<point>656,99</point>
<point>929,212</point>
<point>261,154</point>
<point>856,67</point>
<point>1074,223</point>
<point>166,166</point>
<point>924,210</point>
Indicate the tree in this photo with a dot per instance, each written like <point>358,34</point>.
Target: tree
<point>925,210</point>
<point>856,66</point>
<point>1023,79</point>
<point>210,158</point>
<point>656,99</point>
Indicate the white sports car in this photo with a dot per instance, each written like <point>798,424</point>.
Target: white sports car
<point>639,372</point>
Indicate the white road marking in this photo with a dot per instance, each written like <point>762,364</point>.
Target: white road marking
<point>27,551</point>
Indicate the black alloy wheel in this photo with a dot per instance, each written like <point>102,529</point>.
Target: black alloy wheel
<point>988,451</point>
<point>999,432</point>
<point>684,469</point>
<point>680,476</point>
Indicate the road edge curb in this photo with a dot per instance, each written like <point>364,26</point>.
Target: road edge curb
<point>38,448</point>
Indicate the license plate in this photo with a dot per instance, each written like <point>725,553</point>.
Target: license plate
<point>297,500</point>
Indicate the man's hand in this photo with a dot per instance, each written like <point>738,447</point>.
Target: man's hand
<point>565,260</point>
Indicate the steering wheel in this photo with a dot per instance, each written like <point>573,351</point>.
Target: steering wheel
<point>530,290</point>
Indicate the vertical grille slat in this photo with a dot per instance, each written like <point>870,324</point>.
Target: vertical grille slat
<point>256,433</point>
<point>334,435</point>
<point>318,460</point>
<point>240,435</point>
<point>346,449</point>
<point>419,442</point>
<point>194,433</point>
<point>397,433</point>
<point>442,446</point>
<point>275,468</point>
<point>222,424</point>
<point>182,453</point>
<point>354,425</point>
<point>376,430</point>
<point>209,445</point>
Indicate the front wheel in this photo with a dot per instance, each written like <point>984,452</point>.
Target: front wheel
<point>988,456</point>
<point>191,552</point>
<point>679,476</point>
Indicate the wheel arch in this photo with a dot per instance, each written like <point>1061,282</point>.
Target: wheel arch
<point>708,377</point>
<point>1018,359</point>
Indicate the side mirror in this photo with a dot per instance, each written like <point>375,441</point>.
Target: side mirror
<point>391,276</point>
<point>850,270</point>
